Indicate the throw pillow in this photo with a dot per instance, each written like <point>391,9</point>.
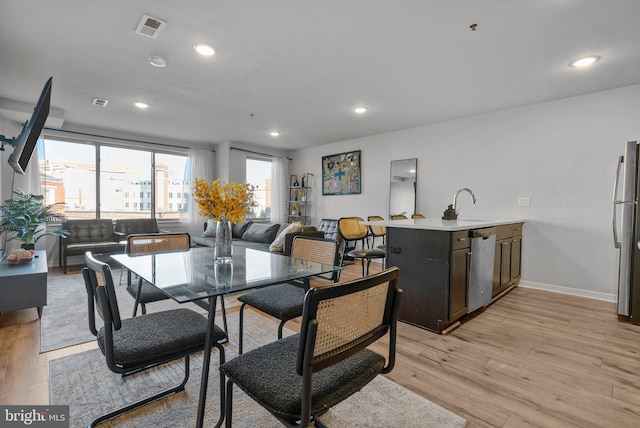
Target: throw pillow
<point>238,229</point>
<point>278,243</point>
<point>210,231</point>
<point>261,232</point>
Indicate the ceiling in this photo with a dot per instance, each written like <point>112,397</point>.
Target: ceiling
<point>302,66</point>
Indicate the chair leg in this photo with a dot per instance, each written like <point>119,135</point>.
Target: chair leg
<point>363,266</point>
<point>147,400</point>
<point>280,328</point>
<point>241,328</point>
<point>137,301</point>
<point>228,410</point>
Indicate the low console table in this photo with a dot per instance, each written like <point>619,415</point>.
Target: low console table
<point>24,285</point>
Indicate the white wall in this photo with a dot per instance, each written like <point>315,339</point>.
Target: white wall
<point>561,154</point>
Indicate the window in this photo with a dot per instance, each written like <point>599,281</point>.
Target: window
<point>69,173</point>
<point>259,176</point>
<point>125,169</point>
<point>171,176</point>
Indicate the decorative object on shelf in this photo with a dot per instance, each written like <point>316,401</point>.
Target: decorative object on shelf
<point>304,174</point>
<point>341,174</point>
<point>228,203</point>
<point>26,215</point>
<point>295,181</point>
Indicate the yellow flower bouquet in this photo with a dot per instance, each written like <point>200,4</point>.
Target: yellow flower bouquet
<point>228,203</point>
<point>216,200</point>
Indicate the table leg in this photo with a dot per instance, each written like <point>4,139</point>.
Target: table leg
<point>206,360</point>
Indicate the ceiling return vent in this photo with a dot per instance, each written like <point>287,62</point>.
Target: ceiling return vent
<point>150,26</point>
<point>100,102</point>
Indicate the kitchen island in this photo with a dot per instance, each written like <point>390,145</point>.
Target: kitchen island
<point>434,257</point>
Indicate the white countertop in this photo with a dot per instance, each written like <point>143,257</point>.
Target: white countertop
<point>444,225</point>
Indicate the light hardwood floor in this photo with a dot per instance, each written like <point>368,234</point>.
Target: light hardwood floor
<point>533,358</point>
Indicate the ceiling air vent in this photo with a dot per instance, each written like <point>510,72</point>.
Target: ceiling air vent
<point>100,102</point>
<point>150,26</point>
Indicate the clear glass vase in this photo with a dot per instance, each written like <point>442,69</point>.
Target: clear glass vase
<point>224,242</point>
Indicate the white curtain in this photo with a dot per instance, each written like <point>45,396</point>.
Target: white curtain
<point>278,192</point>
<point>202,163</point>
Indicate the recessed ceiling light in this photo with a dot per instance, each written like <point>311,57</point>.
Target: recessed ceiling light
<point>204,49</point>
<point>158,61</point>
<point>584,61</point>
<point>141,105</point>
<point>360,110</point>
<point>274,133</point>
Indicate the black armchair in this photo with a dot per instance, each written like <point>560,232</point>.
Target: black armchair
<point>298,378</point>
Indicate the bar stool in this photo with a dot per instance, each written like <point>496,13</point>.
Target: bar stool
<point>352,230</point>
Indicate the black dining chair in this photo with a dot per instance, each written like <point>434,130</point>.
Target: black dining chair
<point>285,301</point>
<point>352,229</point>
<point>140,343</point>
<point>300,377</point>
<point>142,291</point>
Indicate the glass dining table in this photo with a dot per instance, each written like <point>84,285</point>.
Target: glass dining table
<point>193,276</point>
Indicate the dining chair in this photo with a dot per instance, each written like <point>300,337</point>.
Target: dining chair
<point>149,243</point>
<point>377,232</point>
<point>285,301</point>
<point>352,229</point>
<point>300,377</point>
<point>136,344</point>
<point>399,217</point>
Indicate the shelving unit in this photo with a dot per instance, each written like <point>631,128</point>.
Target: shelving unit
<point>299,203</point>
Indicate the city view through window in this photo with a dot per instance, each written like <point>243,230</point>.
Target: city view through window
<point>129,185</point>
<point>259,175</point>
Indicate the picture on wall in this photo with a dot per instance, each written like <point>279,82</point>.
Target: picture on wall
<point>341,174</point>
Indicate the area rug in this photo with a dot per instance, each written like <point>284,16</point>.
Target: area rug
<point>65,318</point>
<point>83,382</point>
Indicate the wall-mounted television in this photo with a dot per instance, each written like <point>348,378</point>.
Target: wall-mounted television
<point>25,143</point>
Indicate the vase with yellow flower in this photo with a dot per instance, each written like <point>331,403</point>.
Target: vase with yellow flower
<point>227,203</point>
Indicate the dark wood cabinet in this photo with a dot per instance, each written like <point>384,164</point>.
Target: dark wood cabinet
<point>435,271</point>
<point>507,262</point>
<point>459,283</point>
<point>434,275</point>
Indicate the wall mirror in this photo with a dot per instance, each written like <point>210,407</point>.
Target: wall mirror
<point>402,187</point>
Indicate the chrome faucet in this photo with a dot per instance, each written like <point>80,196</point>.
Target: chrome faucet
<point>455,198</point>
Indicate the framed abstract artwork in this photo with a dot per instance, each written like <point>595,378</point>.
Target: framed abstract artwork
<point>341,174</point>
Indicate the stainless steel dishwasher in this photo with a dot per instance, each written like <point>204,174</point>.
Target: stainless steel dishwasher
<point>483,249</point>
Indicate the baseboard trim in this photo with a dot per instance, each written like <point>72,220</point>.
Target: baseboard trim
<point>571,291</point>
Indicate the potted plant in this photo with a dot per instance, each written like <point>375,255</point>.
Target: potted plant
<point>26,215</point>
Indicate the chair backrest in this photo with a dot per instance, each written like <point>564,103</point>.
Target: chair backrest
<point>101,292</point>
<point>317,250</point>
<point>330,228</point>
<point>351,229</point>
<point>128,226</point>
<point>157,243</point>
<point>376,230</point>
<point>399,217</point>
<point>417,216</point>
<point>86,231</point>
<point>341,319</point>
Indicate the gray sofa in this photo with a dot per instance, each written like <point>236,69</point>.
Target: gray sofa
<point>258,236</point>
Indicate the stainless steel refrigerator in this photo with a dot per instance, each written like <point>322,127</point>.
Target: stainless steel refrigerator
<point>626,231</point>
